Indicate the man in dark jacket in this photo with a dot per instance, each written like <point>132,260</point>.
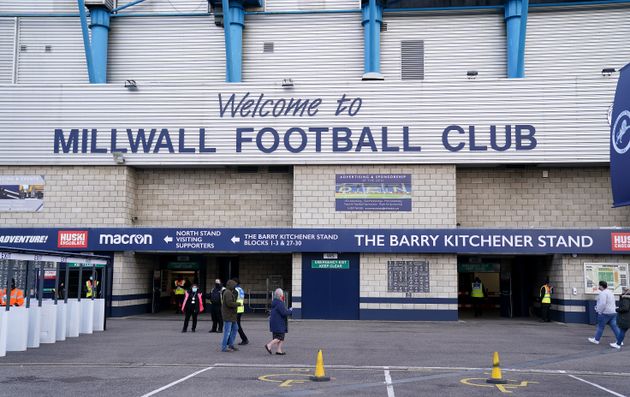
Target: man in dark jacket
<point>623,317</point>
<point>228,310</point>
<point>192,306</point>
<point>215,307</point>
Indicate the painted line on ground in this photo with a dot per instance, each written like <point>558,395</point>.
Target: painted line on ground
<point>388,382</point>
<point>156,391</point>
<point>597,386</point>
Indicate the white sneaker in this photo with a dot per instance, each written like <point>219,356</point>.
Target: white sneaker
<point>593,340</point>
<point>615,345</point>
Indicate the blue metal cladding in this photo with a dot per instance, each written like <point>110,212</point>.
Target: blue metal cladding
<point>233,24</point>
<point>372,21</point>
<point>99,24</point>
<point>86,40</point>
<point>516,29</point>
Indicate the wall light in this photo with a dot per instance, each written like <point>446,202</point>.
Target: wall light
<point>287,83</point>
<point>131,85</point>
<point>119,158</point>
<point>471,74</point>
<point>608,71</point>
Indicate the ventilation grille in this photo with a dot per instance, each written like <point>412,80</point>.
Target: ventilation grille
<point>383,27</point>
<point>412,60</point>
<point>268,47</point>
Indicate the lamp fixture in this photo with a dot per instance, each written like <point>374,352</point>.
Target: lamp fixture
<point>287,83</point>
<point>119,158</point>
<point>131,85</point>
<point>608,71</point>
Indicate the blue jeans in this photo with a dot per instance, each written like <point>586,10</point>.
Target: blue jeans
<point>230,328</point>
<point>602,320</point>
<point>621,335</point>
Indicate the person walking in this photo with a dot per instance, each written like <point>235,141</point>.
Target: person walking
<point>606,312</point>
<point>623,317</point>
<point>278,322</point>
<point>215,307</point>
<point>192,306</point>
<point>477,295</point>
<point>545,301</point>
<point>240,311</point>
<point>228,311</point>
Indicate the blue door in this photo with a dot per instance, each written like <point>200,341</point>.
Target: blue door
<point>330,288</point>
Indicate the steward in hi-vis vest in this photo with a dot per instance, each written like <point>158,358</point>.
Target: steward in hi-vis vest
<point>240,310</point>
<point>545,301</point>
<point>91,287</point>
<point>17,296</point>
<point>477,295</point>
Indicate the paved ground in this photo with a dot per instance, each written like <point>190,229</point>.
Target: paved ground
<point>143,356</point>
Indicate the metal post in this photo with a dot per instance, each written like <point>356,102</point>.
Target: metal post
<point>27,290</point>
<point>8,286</point>
<point>66,287</point>
<point>40,288</point>
<point>80,281</point>
<point>94,289</point>
<point>56,293</point>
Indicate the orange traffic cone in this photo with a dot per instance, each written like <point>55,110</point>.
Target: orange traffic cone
<point>495,376</point>
<point>320,374</point>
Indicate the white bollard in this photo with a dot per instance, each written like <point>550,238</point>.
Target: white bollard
<point>87,316</point>
<point>3,332</point>
<point>99,314</point>
<point>62,321</point>
<point>17,327</point>
<point>34,325</point>
<point>74,318</point>
<point>48,330</point>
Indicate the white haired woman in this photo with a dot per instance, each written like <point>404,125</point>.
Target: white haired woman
<point>278,322</point>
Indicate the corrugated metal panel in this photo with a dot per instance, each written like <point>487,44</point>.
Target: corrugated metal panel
<point>577,42</point>
<point>42,6</point>
<point>310,5</point>
<point>306,48</point>
<point>453,44</point>
<point>170,6</point>
<point>569,116</point>
<point>7,49</point>
<point>64,63</point>
<point>166,49</point>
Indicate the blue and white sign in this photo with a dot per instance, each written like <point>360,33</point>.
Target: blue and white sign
<point>620,141</point>
<point>218,240</point>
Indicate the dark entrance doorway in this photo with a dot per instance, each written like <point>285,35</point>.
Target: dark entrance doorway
<point>330,287</point>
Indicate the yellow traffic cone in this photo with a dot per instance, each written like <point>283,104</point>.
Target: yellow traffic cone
<point>495,377</point>
<point>320,375</point>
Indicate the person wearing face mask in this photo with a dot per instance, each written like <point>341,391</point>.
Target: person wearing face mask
<point>192,306</point>
<point>215,307</point>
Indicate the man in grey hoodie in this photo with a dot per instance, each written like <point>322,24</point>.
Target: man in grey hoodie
<point>606,312</point>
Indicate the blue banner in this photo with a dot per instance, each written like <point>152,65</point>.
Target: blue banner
<point>620,141</point>
<point>219,240</point>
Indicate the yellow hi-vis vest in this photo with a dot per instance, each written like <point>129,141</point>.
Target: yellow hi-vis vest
<point>547,296</point>
<point>477,290</point>
<point>179,287</point>
<point>88,285</point>
<point>240,300</point>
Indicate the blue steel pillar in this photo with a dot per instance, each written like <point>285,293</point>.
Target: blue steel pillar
<point>372,20</point>
<point>99,24</point>
<point>516,27</point>
<point>233,24</point>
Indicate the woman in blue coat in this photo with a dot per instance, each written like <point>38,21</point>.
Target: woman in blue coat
<point>278,322</point>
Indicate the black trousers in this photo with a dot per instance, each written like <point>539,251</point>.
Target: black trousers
<point>476,303</point>
<point>241,333</point>
<point>544,311</point>
<point>217,318</point>
<point>187,317</point>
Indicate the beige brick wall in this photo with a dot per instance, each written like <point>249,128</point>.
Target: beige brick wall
<point>433,200</point>
<point>213,197</point>
<point>521,198</point>
<point>77,196</point>
<point>132,275</point>
<point>573,269</point>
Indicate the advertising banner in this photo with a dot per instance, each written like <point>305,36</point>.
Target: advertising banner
<point>615,275</point>
<point>209,240</point>
<point>21,193</point>
<point>620,141</point>
<point>373,192</point>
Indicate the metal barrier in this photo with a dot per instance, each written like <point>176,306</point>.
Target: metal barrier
<point>35,303</point>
